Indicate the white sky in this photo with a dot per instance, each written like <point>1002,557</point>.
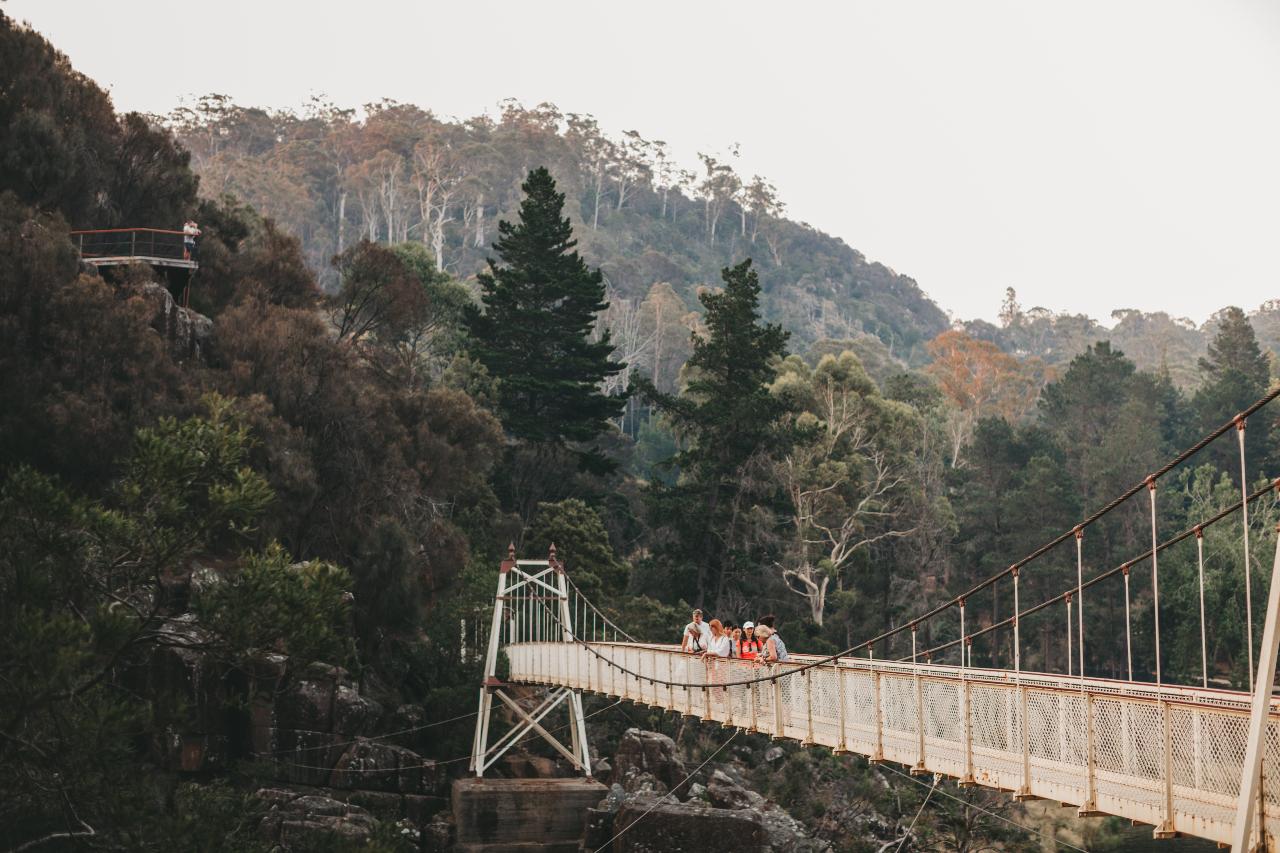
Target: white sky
<point>1093,155</point>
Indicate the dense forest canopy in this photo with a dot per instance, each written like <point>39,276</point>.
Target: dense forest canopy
<point>321,462</point>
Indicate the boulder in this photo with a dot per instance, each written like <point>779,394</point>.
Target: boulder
<point>647,761</point>
<point>185,332</point>
<point>315,718</point>
<point>725,793</point>
<point>785,834</point>
<point>377,766</point>
<point>180,674</point>
<point>308,820</point>
<point>438,836</point>
<point>408,727</point>
<point>645,827</point>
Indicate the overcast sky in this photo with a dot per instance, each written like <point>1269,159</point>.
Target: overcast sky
<point>1092,155</point>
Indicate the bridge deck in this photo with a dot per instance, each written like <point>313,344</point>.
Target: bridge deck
<point>1167,756</point>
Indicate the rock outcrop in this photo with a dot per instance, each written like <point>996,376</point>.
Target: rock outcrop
<point>186,332</point>
<point>646,762</point>
<point>654,804</point>
<point>301,821</point>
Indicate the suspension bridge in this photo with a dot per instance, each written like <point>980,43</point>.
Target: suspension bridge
<point>1188,759</point>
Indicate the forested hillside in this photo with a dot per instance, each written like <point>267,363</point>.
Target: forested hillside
<point>238,538</point>
<point>398,173</point>
<point>1155,341</point>
<point>658,230</point>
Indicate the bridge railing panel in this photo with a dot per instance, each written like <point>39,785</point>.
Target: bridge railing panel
<point>860,711</point>
<point>825,686</point>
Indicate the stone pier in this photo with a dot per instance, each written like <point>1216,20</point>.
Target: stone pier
<point>522,815</point>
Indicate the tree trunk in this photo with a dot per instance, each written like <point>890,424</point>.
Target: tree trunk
<point>657,342</point>
<point>595,214</point>
<point>437,240</point>
<point>479,238</point>
<point>342,219</point>
<point>818,600</point>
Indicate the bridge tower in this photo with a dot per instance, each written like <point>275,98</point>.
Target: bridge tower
<point>531,605</point>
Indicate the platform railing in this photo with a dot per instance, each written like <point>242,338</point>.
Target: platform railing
<point>130,243</point>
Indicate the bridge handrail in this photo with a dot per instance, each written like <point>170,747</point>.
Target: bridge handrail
<point>123,230</point>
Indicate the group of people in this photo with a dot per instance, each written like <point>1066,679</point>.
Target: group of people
<point>754,641</point>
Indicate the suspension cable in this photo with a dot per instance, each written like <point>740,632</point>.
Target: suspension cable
<point>1147,482</point>
<point>1186,454</point>
<point>928,653</point>
<point>1122,568</point>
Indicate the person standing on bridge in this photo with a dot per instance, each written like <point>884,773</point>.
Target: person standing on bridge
<point>718,650</point>
<point>697,635</point>
<point>775,651</point>
<point>750,646</point>
<point>190,231</point>
<point>720,645</point>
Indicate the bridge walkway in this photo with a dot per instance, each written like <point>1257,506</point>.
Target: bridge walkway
<point>1168,756</point>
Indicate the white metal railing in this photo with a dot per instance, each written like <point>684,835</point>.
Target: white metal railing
<point>1163,755</point>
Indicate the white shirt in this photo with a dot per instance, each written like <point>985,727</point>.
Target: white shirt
<point>720,646</point>
<point>704,636</point>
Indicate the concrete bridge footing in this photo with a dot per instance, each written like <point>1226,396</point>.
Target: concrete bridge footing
<point>522,815</point>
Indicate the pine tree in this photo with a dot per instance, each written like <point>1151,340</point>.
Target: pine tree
<point>534,335</point>
<point>1235,350</point>
<point>1236,374</point>
<point>727,420</point>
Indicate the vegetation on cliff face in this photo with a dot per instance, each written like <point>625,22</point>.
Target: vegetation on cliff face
<point>334,474</point>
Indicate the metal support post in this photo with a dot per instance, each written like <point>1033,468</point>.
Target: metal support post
<point>842,745</point>
<point>1155,574</point>
<point>808,707</point>
<point>1166,829</point>
<point>1248,569</point>
<point>1017,614</point>
<point>967,710</point>
<point>1080,593</point>
<point>1024,793</point>
<point>779,729</point>
<point>1128,622</point>
<point>1260,713</point>
<point>577,721</point>
<point>878,754</point>
<point>919,768</point>
<point>1089,808</point>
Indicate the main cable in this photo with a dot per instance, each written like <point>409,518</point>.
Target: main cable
<point>1127,564</point>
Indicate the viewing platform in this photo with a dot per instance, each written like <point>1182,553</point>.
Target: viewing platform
<point>117,246</point>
